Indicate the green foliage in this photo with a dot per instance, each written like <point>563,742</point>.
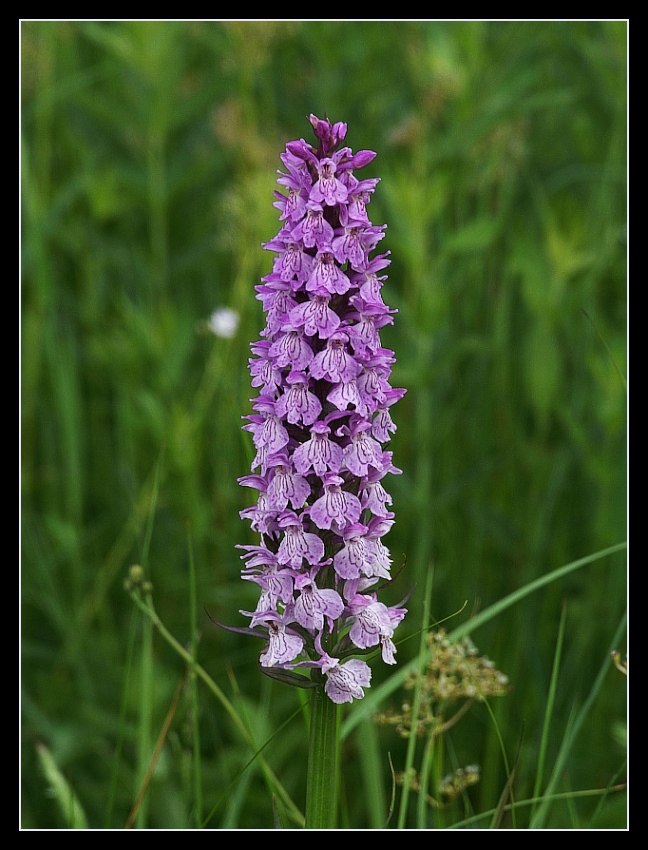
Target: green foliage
<point>149,152</point>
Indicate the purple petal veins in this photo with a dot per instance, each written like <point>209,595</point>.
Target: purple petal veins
<point>345,682</point>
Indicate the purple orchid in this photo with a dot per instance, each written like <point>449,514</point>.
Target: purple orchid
<point>320,425</point>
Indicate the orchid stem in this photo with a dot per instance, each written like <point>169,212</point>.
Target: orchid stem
<point>321,781</point>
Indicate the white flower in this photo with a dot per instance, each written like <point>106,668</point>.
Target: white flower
<point>224,322</point>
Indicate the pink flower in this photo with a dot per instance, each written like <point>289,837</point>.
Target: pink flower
<point>320,425</point>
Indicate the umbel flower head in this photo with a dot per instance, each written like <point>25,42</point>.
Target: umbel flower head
<point>320,424</point>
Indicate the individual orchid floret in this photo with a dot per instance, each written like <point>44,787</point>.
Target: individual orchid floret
<point>355,242</point>
<point>314,605</point>
<point>374,624</point>
<point>284,643</point>
<point>381,562</point>
<point>265,373</point>
<point>291,350</point>
<point>297,182</point>
<point>345,682</point>
<point>363,453</point>
<point>297,544</point>
<point>277,587</point>
<point>277,298</point>
<point>271,433</point>
<point>298,403</point>
<point>319,453</point>
<point>337,507</point>
<point>382,423</point>
<point>373,496</point>
<point>293,263</point>
<point>285,485</point>
<point>326,274</point>
<point>360,192</point>
<point>369,317</point>
<point>315,316</point>
<point>356,555</point>
<point>346,394</point>
<point>328,189</point>
<point>371,621</point>
<point>335,363</point>
<point>313,230</point>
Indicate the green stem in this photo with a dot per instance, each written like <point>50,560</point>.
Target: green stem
<point>271,779</point>
<point>321,780</point>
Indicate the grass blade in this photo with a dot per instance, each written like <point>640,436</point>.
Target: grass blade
<point>62,790</point>
<point>549,708</point>
<point>371,701</point>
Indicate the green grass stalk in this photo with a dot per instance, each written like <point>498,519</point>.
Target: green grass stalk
<point>61,789</point>
<point>146,702</point>
<point>195,706</point>
<point>370,703</point>
<point>420,661</point>
<point>544,740</point>
<point>372,768</point>
<point>146,606</point>
<point>474,820</point>
<point>541,816</point>
<point>128,670</point>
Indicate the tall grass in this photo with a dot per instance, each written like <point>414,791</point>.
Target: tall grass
<point>149,152</point>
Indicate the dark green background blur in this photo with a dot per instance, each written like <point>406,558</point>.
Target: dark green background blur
<point>149,155</point>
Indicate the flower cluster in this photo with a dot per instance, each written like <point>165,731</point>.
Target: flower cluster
<point>454,671</point>
<point>319,426</point>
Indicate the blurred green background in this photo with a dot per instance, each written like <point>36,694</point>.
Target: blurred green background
<point>149,155</point>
